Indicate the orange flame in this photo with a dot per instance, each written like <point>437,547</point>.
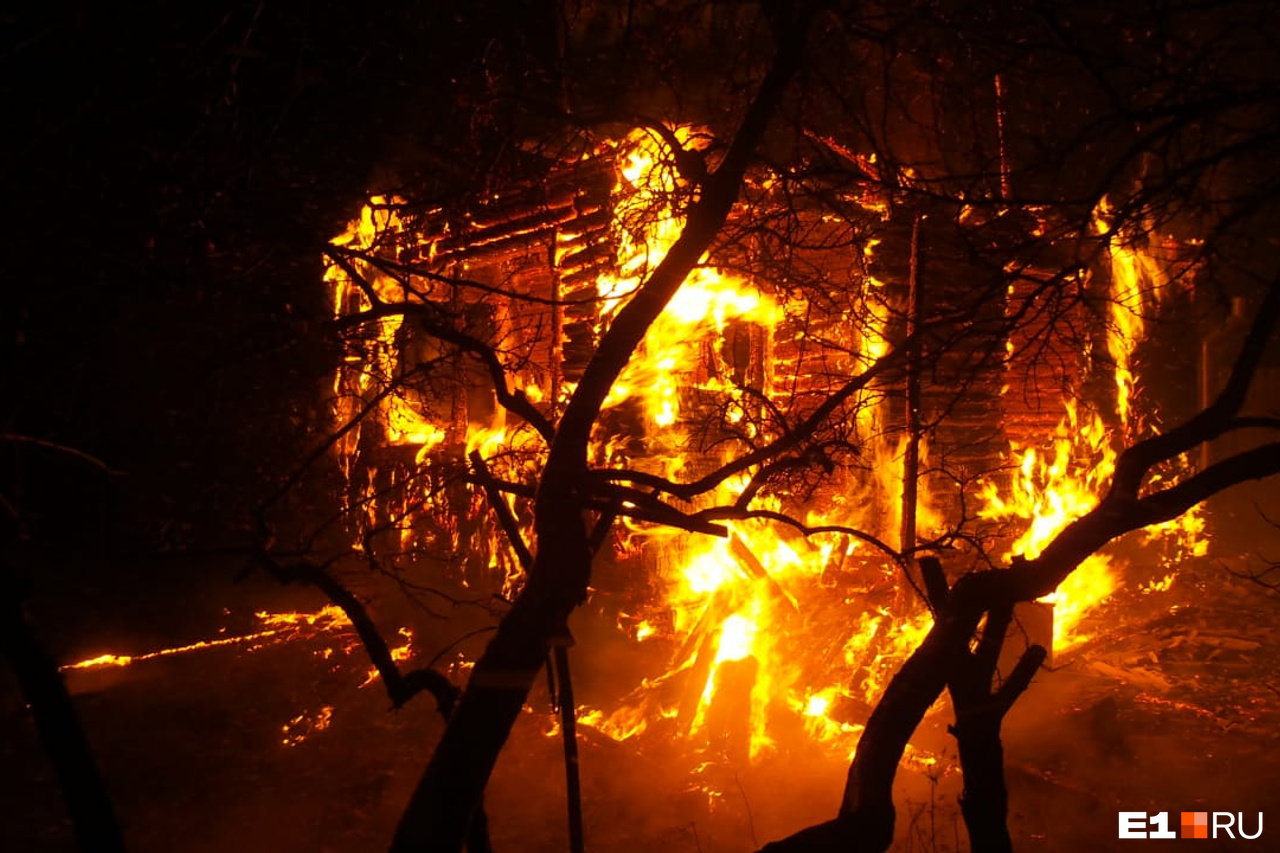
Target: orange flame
<point>306,724</point>
<point>1052,489</point>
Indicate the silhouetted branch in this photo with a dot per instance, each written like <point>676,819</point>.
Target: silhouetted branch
<point>43,444</point>
<point>735,514</point>
<point>399,688</point>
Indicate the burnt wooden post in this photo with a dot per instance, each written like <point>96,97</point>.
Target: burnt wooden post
<point>911,456</point>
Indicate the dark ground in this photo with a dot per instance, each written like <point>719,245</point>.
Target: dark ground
<point>1172,708</point>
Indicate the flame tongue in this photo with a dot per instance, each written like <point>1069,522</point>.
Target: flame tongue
<point>1053,487</point>
<point>1050,491</point>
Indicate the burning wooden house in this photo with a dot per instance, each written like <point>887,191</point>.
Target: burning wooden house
<point>999,395</point>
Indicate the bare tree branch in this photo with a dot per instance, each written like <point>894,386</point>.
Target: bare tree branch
<point>43,444</point>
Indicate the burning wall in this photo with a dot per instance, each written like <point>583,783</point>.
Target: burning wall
<point>764,625</point>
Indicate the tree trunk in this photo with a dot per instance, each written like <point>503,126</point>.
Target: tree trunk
<point>985,801</point>
<point>866,820</point>
<point>58,725</point>
<point>868,793</point>
<point>453,783</point>
<point>979,715</point>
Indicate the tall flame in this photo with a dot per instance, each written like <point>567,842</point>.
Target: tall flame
<point>1138,283</point>
<point>736,607</point>
<point>1049,491</point>
<point>1054,486</point>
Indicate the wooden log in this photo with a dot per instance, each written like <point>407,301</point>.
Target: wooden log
<point>700,647</point>
<point>751,563</point>
<point>728,722</point>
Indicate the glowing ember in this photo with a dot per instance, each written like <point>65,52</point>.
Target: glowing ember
<point>1161,585</point>
<point>281,627</point>
<point>278,628</point>
<point>304,725</point>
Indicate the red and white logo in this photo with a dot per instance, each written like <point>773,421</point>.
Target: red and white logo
<point>1194,825</point>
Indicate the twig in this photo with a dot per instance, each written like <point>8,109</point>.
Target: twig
<point>746,803</point>
<point>15,438</point>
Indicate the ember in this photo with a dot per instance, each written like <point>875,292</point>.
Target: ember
<point>281,628</point>
<point>328,624</point>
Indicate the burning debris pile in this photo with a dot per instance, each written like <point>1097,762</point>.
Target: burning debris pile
<point>774,599</point>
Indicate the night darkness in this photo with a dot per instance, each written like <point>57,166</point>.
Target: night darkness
<point>173,174</point>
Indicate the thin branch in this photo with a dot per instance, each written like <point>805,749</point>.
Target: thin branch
<point>1213,421</point>
<point>733,513</point>
<point>399,687</point>
<point>16,438</point>
<point>506,519</point>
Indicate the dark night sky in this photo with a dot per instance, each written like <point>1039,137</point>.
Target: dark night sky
<point>171,172</point>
